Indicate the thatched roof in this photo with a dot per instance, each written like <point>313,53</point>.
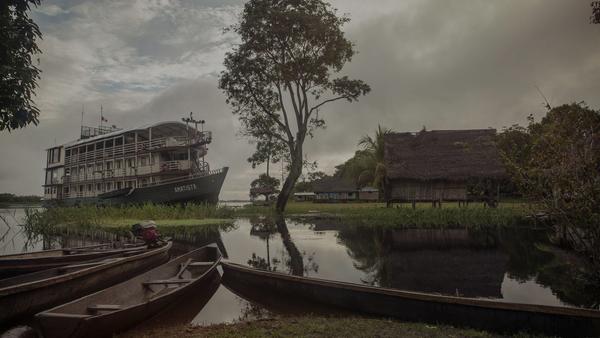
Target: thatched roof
<point>443,155</point>
<point>334,184</point>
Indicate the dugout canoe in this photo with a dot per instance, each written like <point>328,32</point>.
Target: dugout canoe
<point>414,306</point>
<point>30,293</point>
<point>121,306</point>
<point>16,264</point>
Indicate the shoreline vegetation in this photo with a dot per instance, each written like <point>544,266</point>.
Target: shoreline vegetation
<point>316,326</point>
<point>507,214</point>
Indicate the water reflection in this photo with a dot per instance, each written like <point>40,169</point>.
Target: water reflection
<point>508,264</point>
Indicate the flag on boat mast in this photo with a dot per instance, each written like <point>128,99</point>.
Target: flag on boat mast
<point>102,118</point>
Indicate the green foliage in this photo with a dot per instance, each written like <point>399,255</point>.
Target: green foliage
<point>558,165</point>
<point>281,74</point>
<point>91,216</point>
<point>367,167</point>
<point>12,198</point>
<point>18,74</point>
<point>264,185</point>
<point>376,214</point>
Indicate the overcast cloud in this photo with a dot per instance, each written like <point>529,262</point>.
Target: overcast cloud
<point>440,64</point>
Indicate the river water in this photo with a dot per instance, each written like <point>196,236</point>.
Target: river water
<point>513,265</point>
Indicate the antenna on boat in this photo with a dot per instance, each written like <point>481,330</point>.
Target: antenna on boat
<point>81,126</point>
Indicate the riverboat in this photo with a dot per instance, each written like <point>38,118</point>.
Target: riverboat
<point>157,163</point>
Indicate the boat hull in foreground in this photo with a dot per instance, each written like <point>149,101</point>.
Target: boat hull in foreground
<point>121,306</point>
<point>15,264</point>
<point>414,306</point>
<point>28,294</point>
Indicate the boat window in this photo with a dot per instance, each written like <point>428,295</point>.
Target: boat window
<point>108,186</point>
<point>119,141</point>
<point>109,143</point>
<point>82,150</point>
<point>90,147</point>
<point>119,185</point>
<point>99,187</point>
<point>129,138</point>
<point>118,164</point>
<point>89,187</point>
<point>81,188</point>
<point>100,145</point>
<point>68,152</point>
<point>66,190</point>
<point>109,165</point>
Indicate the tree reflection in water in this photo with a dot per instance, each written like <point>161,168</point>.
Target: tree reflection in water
<point>293,262</point>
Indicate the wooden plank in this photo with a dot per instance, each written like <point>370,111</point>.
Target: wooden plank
<point>201,264</point>
<point>104,307</point>
<point>167,281</point>
<point>183,267</point>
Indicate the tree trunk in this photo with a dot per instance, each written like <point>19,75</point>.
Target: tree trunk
<point>290,181</point>
<point>296,260</point>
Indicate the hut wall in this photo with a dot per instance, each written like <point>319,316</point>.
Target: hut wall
<point>336,196</point>
<point>427,191</point>
<point>368,195</point>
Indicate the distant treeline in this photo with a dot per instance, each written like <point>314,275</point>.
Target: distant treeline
<point>12,198</point>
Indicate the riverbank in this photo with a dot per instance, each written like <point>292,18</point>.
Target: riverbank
<point>371,214</point>
<point>310,326</point>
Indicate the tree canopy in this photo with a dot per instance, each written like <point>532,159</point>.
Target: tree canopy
<point>556,162</point>
<point>18,73</point>
<point>367,166</point>
<point>282,74</point>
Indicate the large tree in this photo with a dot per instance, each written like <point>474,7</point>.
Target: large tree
<point>556,163</point>
<point>283,72</point>
<point>18,73</point>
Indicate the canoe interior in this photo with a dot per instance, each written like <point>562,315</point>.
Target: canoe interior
<point>58,252</point>
<point>414,306</point>
<point>67,269</point>
<point>133,291</point>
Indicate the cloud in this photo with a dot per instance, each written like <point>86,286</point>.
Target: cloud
<point>439,64</point>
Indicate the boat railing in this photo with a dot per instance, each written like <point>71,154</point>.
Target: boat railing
<point>141,146</point>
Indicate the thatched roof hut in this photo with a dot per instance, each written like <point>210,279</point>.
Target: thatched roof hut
<point>332,189</point>
<point>435,165</point>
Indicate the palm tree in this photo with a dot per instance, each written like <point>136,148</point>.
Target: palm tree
<point>374,151</point>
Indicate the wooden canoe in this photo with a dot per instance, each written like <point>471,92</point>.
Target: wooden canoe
<point>30,293</point>
<point>414,306</point>
<point>123,305</point>
<point>15,264</point>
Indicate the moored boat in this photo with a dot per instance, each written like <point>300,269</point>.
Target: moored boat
<point>414,306</point>
<point>162,162</point>
<point>30,293</point>
<point>14,264</point>
<point>123,305</point>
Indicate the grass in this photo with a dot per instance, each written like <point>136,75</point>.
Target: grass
<point>450,215</point>
<point>124,222</point>
<point>371,214</point>
<point>309,326</point>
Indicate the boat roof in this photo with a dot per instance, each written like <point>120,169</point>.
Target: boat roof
<point>159,129</point>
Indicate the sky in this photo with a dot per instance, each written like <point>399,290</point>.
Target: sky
<point>442,64</point>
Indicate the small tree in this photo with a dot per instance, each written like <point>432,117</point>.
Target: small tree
<point>264,185</point>
<point>280,75</point>
<point>18,74</point>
